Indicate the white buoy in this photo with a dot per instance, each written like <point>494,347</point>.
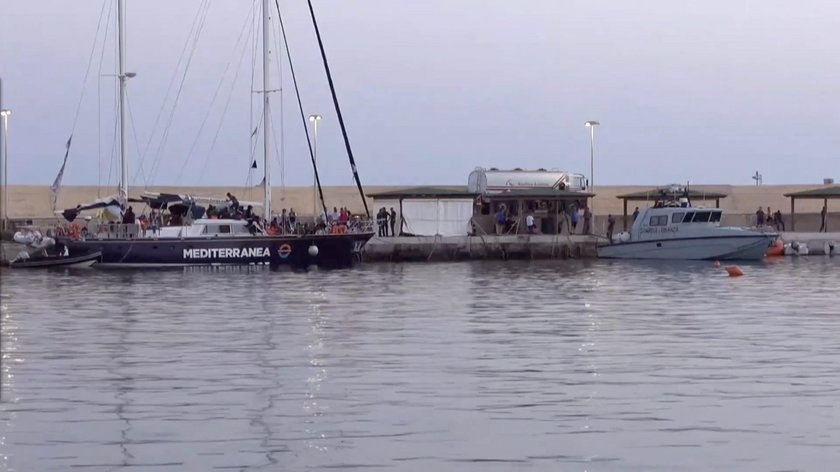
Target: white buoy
<point>313,250</point>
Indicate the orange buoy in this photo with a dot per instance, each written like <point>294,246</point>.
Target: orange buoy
<point>776,249</point>
<point>734,271</point>
<point>717,264</point>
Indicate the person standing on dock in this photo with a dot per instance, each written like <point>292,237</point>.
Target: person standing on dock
<point>759,217</point>
<point>780,223</point>
<point>529,221</point>
<point>381,222</point>
<point>587,217</point>
<point>823,219</point>
<point>392,217</point>
<point>610,227</point>
<point>635,214</point>
<point>574,220</point>
<point>500,220</point>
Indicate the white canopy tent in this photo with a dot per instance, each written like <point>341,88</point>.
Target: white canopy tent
<point>439,216</point>
<point>426,211</point>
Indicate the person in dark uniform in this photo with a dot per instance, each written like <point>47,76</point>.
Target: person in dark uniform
<point>393,221</point>
<point>382,222</point>
<point>823,219</point>
<point>128,217</point>
<point>234,202</point>
<point>610,227</point>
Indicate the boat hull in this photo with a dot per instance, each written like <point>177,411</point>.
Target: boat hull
<point>333,250</point>
<point>79,261</point>
<point>729,247</point>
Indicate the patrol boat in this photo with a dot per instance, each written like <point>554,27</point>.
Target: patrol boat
<point>193,240</point>
<point>673,229</point>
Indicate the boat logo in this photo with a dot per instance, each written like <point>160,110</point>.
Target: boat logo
<point>226,252</point>
<point>284,251</point>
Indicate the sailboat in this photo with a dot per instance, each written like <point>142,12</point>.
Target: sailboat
<point>196,240</point>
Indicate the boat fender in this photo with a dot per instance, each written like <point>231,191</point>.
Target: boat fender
<point>313,250</point>
<point>734,271</point>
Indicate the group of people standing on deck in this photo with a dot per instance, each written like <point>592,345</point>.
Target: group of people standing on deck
<point>386,219</point>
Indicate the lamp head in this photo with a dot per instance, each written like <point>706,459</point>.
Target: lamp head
<point>5,112</point>
<point>314,117</point>
<point>592,123</point>
<point>131,75</point>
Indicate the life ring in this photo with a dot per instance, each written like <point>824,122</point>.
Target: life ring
<point>562,186</point>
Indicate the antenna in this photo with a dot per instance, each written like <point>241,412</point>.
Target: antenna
<point>758,178</point>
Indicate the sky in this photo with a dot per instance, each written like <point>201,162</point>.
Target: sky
<point>706,92</point>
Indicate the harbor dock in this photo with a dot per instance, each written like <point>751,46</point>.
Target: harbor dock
<point>456,248</point>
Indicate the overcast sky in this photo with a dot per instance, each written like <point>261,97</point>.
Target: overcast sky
<point>707,91</point>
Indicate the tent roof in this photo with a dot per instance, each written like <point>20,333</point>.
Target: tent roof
<point>831,191</point>
<point>425,192</point>
<point>654,193</point>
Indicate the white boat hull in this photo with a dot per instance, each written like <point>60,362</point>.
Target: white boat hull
<point>733,247</point>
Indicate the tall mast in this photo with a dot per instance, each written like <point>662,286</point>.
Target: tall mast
<point>266,116</point>
<point>123,194</point>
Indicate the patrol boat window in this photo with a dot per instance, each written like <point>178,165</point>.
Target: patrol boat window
<point>688,217</point>
<point>661,220</point>
<point>677,217</point>
<point>702,217</point>
<point>716,216</point>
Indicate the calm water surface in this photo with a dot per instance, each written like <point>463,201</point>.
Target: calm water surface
<point>560,366</point>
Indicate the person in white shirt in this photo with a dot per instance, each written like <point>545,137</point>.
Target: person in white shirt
<point>529,221</point>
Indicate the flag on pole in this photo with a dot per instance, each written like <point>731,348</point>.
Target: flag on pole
<point>57,183</point>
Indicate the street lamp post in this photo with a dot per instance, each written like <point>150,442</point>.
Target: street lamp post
<point>315,119</point>
<point>5,203</point>
<point>591,125</point>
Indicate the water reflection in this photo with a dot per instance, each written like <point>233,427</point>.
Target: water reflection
<point>576,365</point>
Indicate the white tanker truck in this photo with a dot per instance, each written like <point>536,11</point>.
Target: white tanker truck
<point>484,181</point>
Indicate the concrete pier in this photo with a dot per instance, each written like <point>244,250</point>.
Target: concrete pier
<point>454,248</point>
